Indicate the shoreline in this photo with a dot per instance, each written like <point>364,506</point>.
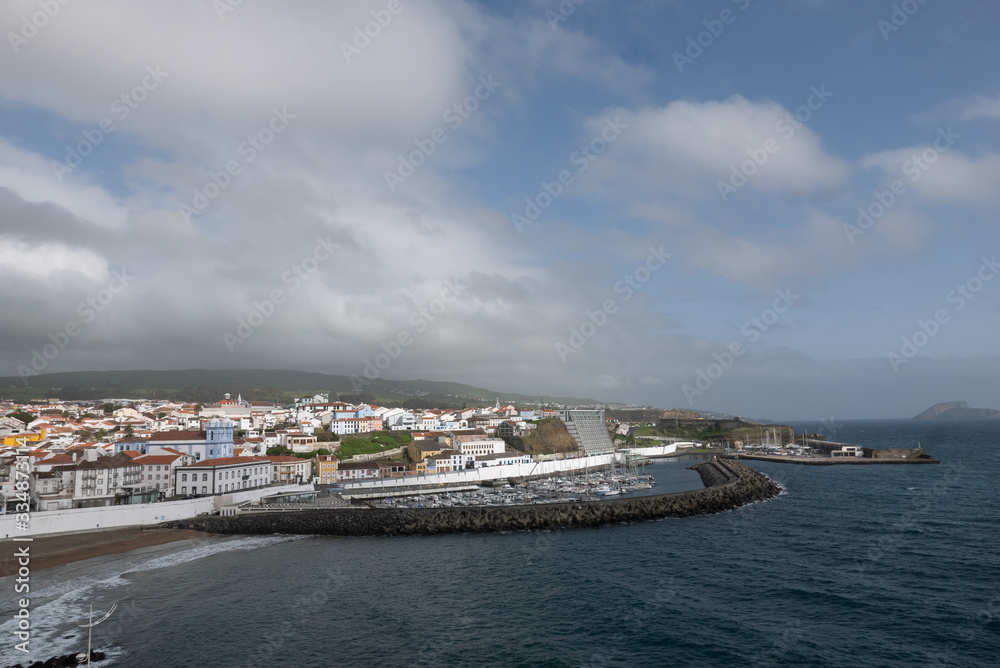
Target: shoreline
<point>52,551</point>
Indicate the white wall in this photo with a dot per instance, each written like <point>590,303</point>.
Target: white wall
<point>139,514</point>
<point>486,473</point>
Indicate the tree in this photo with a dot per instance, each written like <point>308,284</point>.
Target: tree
<point>23,416</point>
<point>108,407</point>
<point>129,431</point>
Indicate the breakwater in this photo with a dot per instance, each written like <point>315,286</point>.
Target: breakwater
<point>728,485</point>
<point>895,456</point>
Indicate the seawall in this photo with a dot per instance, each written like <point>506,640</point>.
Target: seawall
<point>728,485</point>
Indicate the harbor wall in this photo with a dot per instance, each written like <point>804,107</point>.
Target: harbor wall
<point>475,476</point>
<point>138,514</point>
<point>895,453</point>
<point>666,450</point>
<point>728,485</point>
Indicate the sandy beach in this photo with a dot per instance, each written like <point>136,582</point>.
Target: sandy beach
<point>51,551</point>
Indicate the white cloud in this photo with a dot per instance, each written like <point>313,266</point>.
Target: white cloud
<point>45,261</point>
<point>34,180</point>
<point>951,176</point>
<point>982,107</point>
<point>688,147</point>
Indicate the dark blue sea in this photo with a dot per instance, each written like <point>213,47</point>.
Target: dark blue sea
<point>850,566</point>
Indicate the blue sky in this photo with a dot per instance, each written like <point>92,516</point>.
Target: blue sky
<point>539,307</point>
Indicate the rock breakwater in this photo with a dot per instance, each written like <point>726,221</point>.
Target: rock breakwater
<point>728,485</point>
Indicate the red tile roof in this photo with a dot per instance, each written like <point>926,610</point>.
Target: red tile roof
<point>225,461</point>
<point>157,459</point>
<point>178,436</point>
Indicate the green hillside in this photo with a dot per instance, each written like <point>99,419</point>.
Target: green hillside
<point>264,384</point>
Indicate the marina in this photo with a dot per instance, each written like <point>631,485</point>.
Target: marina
<point>585,487</point>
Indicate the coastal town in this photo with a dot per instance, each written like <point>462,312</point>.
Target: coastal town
<point>60,456</point>
<point>70,455</point>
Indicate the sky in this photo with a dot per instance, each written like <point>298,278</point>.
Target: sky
<point>784,209</point>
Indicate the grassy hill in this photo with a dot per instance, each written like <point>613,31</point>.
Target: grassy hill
<point>268,384</point>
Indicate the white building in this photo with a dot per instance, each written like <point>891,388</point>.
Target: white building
<point>471,444</point>
<point>105,481</point>
<point>222,475</point>
<point>502,459</point>
<point>158,468</point>
<point>290,470</point>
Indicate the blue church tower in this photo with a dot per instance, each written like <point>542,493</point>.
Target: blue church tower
<point>219,438</point>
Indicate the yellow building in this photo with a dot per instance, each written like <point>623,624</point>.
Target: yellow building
<point>326,469</point>
<point>23,438</point>
<point>421,448</point>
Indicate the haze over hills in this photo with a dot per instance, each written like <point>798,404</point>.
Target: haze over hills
<point>956,409</point>
<point>120,383</point>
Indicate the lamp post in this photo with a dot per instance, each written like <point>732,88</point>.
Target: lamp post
<point>90,627</point>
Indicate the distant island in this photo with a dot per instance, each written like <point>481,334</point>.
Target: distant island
<point>956,409</point>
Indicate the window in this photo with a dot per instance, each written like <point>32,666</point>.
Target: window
<point>157,468</point>
<point>204,489</point>
<point>204,477</point>
<point>184,477</point>
<point>184,490</point>
<point>150,476</point>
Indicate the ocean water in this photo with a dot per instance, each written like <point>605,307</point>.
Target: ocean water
<point>850,566</point>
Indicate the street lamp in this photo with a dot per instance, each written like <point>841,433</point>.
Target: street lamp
<point>90,628</point>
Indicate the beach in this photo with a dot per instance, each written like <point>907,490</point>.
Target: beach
<point>52,551</point>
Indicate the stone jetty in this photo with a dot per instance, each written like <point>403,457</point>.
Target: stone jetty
<point>728,485</point>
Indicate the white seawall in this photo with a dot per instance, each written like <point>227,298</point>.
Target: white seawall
<point>115,517</point>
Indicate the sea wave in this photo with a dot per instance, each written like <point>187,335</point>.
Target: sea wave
<point>60,597</point>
